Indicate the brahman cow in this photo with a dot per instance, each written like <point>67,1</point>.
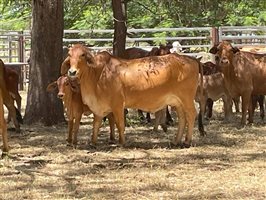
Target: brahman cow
<point>3,127</point>
<point>244,73</point>
<point>9,101</point>
<point>109,84</point>
<point>133,53</point>
<point>69,92</point>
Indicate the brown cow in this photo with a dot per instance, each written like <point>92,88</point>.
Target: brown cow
<point>3,127</point>
<point>12,81</point>
<point>70,95</point>
<point>9,102</point>
<point>109,84</point>
<point>214,89</point>
<point>244,73</point>
<point>133,53</point>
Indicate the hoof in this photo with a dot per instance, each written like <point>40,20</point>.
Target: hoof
<point>112,142</point>
<point>91,147</point>
<point>164,127</point>
<point>185,146</point>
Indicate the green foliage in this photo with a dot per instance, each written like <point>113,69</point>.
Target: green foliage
<point>15,15</point>
<point>97,14</point>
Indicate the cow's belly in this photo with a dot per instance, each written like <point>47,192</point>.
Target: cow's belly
<point>151,104</point>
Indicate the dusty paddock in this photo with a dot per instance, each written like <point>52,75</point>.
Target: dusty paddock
<point>228,163</point>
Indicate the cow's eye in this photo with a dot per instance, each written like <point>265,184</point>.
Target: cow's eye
<point>83,55</point>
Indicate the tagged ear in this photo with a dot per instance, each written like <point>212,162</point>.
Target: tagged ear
<point>51,87</point>
<point>65,66</point>
<point>235,49</point>
<point>214,49</point>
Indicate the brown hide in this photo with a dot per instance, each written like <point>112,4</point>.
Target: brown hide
<point>12,81</point>
<point>134,52</point>
<point>3,128</point>
<point>110,84</point>
<point>214,88</point>
<point>8,100</point>
<point>209,68</point>
<point>244,73</point>
<point>71,97</point>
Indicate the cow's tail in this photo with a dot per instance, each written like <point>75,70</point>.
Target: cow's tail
<point>201,114</point>
<point>19,116</point>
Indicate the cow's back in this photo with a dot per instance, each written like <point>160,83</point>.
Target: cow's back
<point>250,68</point>
<point>163,77</point>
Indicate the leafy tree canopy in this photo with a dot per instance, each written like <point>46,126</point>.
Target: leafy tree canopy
<point>97,14</point>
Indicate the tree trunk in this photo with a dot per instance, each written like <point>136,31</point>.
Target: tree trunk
<point>119,12</point>
<point>46,58</point>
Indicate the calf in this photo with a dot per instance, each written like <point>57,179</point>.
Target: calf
<point>109,84</point>
<point>214,89</point>
<point>70,95</point>
<point>244,73</point>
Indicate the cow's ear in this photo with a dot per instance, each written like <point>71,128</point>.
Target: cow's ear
<point>214,49</point>
<point>102,58</point>
<point>51,87</point>
<point>235,49</point>
<point>89,57</point>
<point>65,66</point>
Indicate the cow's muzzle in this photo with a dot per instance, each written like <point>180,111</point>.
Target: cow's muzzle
<point>72,73</point>
<point>60,95</point>
<point>224,61</point>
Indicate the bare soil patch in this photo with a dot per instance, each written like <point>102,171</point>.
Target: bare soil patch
<point>229,163</point>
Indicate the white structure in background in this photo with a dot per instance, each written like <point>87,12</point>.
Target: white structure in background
<point>177,47</point>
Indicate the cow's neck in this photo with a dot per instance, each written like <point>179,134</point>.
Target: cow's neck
<point>89,89</point>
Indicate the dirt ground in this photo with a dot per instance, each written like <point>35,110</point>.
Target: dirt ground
<point>229,163</point>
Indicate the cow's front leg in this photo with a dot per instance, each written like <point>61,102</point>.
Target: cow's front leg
<point>96,126</point>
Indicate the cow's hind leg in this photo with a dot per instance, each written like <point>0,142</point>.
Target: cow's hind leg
<point>112,127</point>
<point>181,125</point>
<point>190,115</point>
<point>3,128</point>
<point>160,119</point>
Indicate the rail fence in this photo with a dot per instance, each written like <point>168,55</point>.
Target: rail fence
<point>15,45</point>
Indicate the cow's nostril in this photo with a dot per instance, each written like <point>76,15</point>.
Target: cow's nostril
<point>60,96</point>
<point>71,72</point>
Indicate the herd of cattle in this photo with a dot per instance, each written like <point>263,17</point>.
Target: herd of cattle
<point>151,81</point>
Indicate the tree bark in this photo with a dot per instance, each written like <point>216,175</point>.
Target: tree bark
<point>46,58</point>
<point>119,13</point>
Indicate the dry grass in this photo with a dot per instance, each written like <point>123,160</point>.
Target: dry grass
<point>228,163</point>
